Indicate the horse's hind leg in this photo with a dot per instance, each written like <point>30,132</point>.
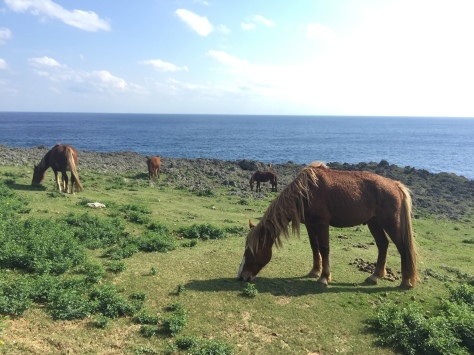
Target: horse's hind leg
<point>382,243</point>
<point>73,182</point>
<point>322,232</point>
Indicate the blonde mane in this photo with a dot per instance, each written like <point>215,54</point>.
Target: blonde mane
<point>287,207</point>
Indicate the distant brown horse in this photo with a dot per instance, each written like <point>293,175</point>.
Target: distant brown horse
<point>61,158</point>
<point>153,164</point>
<point>263,176</point>
<point>320,197</point>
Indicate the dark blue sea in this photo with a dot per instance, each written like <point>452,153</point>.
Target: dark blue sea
<point>434,144</point>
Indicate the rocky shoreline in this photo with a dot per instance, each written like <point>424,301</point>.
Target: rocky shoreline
<point>441,194</point>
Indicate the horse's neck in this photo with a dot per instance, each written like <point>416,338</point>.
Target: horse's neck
<point>44,163</point>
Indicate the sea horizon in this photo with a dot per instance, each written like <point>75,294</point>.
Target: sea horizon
<point>437,144</point>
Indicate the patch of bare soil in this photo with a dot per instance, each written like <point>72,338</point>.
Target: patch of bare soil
<point>369,267</point>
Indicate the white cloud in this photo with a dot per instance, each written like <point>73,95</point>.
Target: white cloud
<point>252,22</point>
<point>44,61</point>
<point>3,64</point>
<point>248,26</point>
<point>263,20</point>
<point>199,24</point>
<point>227,59</point>
<point>84,20</point>
<point>5,34</point>
<point>160,65</point>
<point>93,81</point>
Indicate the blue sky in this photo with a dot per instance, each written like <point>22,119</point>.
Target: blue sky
<point>310,57</point>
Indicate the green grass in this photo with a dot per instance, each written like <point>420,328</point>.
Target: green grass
<point>127,263</point>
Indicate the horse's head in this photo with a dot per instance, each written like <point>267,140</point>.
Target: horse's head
<point>38,175</point>
<point>255,258</point>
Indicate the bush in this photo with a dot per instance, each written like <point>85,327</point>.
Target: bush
<point>15,297</point>
<point>156,241</point>
<point>176,322</point>
<point>136,213</point>
<point>194,346</point>
<point>449,332</point>
<point>124,249</point>
<point>94,271</point>
<point>96,232</point>
<point>144,317</point>
<point>116,266</point>
<point>69,304</point>
<point>110,303</point>
<point>41,246</point>
<point>250,290</point>
<point>101,321</point>
<point>202,231</point>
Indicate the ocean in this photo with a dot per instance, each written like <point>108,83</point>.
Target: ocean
<point>434,144</point>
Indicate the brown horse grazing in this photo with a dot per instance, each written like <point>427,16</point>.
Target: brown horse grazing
<point>320,197</point>
<point>61,158</point>
<point>263,176</point>
<point>154,164</point>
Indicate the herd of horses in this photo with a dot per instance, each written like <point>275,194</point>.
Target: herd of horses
<point>318,197</point>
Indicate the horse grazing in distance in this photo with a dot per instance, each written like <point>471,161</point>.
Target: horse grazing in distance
<point>153,164</point>
<point>263,176</point>
<point>320,197</point>
<point>61,158</point>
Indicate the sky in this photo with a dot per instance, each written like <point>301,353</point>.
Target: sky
<point>302,57</point>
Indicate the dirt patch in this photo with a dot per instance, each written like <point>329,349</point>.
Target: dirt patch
<point>369,267</point>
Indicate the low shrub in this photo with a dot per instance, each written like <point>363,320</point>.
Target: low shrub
<point>15,296</point>
<point>195,346</point>
<point>250,290</point>
<point>69,304</point>
<point>40,246</point>
<point>111,304</point>
<point>202,231</point>
<point>451,331</point>
<point>116,266</point>
<point>156,241</point>
<point>144,317</point>
<point>94,231</point>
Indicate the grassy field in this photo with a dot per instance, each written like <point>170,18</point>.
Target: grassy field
<point>290,313</point>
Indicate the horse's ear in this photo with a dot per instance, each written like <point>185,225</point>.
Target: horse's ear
<point>251,225</point>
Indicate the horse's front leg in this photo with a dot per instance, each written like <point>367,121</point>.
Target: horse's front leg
<point>323,244</point>
<point>56,178</point>
<point>313,241</point>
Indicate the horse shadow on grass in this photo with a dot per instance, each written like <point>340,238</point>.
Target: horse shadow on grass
<point>297,286</point>
<point>24,187</point>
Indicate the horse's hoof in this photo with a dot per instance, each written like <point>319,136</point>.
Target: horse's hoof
<point>313,275</point>
<point>405,287</point>
<point>371,281</point>
<point>323,282</point>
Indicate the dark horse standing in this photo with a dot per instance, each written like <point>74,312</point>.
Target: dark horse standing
<point>320,197</point>
<point>61,158</point>
<point>263,176</point>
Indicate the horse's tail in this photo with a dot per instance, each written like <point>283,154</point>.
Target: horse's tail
<point>72,166</point>
<point>407,235</point>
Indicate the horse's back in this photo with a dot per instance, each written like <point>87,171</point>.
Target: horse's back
<point>58,156</point>
<point>264,176</point>
<point>154,161</point>
<point>353,197</point>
